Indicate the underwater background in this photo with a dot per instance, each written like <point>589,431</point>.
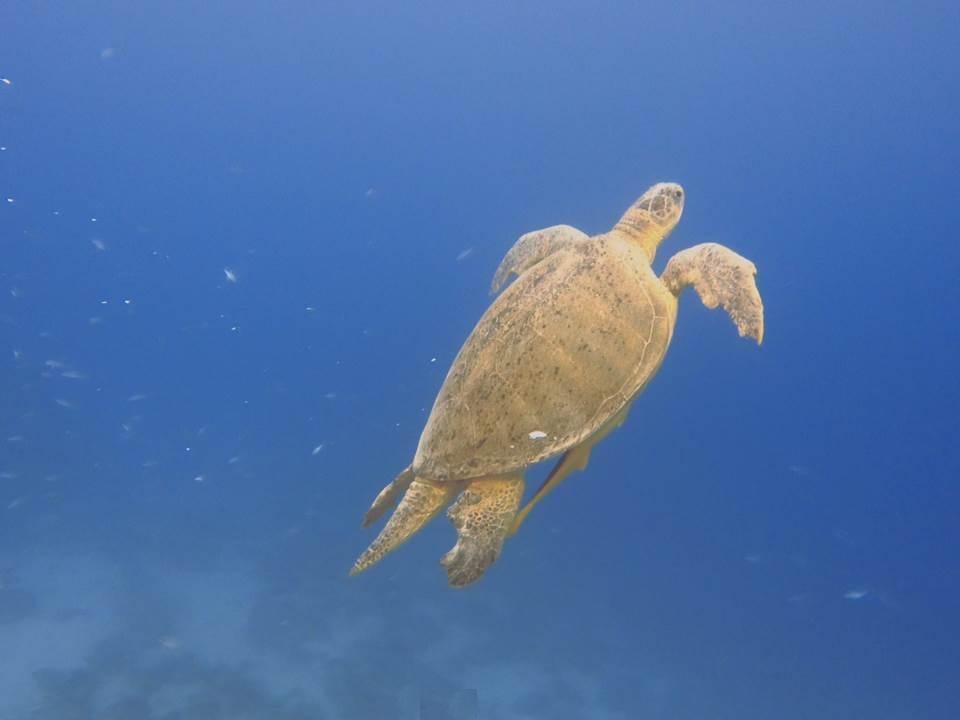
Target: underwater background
<point>242,243</point>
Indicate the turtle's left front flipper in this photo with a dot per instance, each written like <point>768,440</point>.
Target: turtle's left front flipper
<point>720,277</point>
<point>531,249</point>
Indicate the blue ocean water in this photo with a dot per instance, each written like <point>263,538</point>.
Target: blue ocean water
<point>241,244</point>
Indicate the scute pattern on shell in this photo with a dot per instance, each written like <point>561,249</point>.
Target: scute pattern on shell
<point>562,350</point>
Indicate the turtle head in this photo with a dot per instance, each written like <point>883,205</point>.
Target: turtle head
<point>653,216</point>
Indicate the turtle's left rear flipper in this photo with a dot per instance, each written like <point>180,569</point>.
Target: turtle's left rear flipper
<point>388,497</point>
<point>420,504</point>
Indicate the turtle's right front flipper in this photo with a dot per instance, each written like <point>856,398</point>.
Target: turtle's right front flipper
<point>531,249</point>
<point>720,277</point>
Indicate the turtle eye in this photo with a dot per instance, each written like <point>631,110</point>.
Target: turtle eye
<point>678,194</point>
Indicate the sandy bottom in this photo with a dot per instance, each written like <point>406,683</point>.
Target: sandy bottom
<point>87,636</point>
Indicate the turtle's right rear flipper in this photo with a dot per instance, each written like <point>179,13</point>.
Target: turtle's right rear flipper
<point>482,516</point>
<point>388,497</point>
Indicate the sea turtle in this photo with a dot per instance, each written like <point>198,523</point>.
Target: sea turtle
<point>552,367</point>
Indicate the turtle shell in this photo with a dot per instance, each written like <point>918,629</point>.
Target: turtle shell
<point>558,354</point>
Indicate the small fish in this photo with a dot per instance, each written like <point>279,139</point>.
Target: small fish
<point>317,450</point>
<point>856,594</point>
<point>99,244</point>
<point>231,275</point>
<point>73,375</point>
<point>464,254</point>
<point>137,397</point>
<point>6,81</point>
<point>64,403</point>
<point>55,364</point>
<point>537,435</point>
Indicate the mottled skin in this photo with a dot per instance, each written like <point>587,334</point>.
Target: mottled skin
<point>562,352</point>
